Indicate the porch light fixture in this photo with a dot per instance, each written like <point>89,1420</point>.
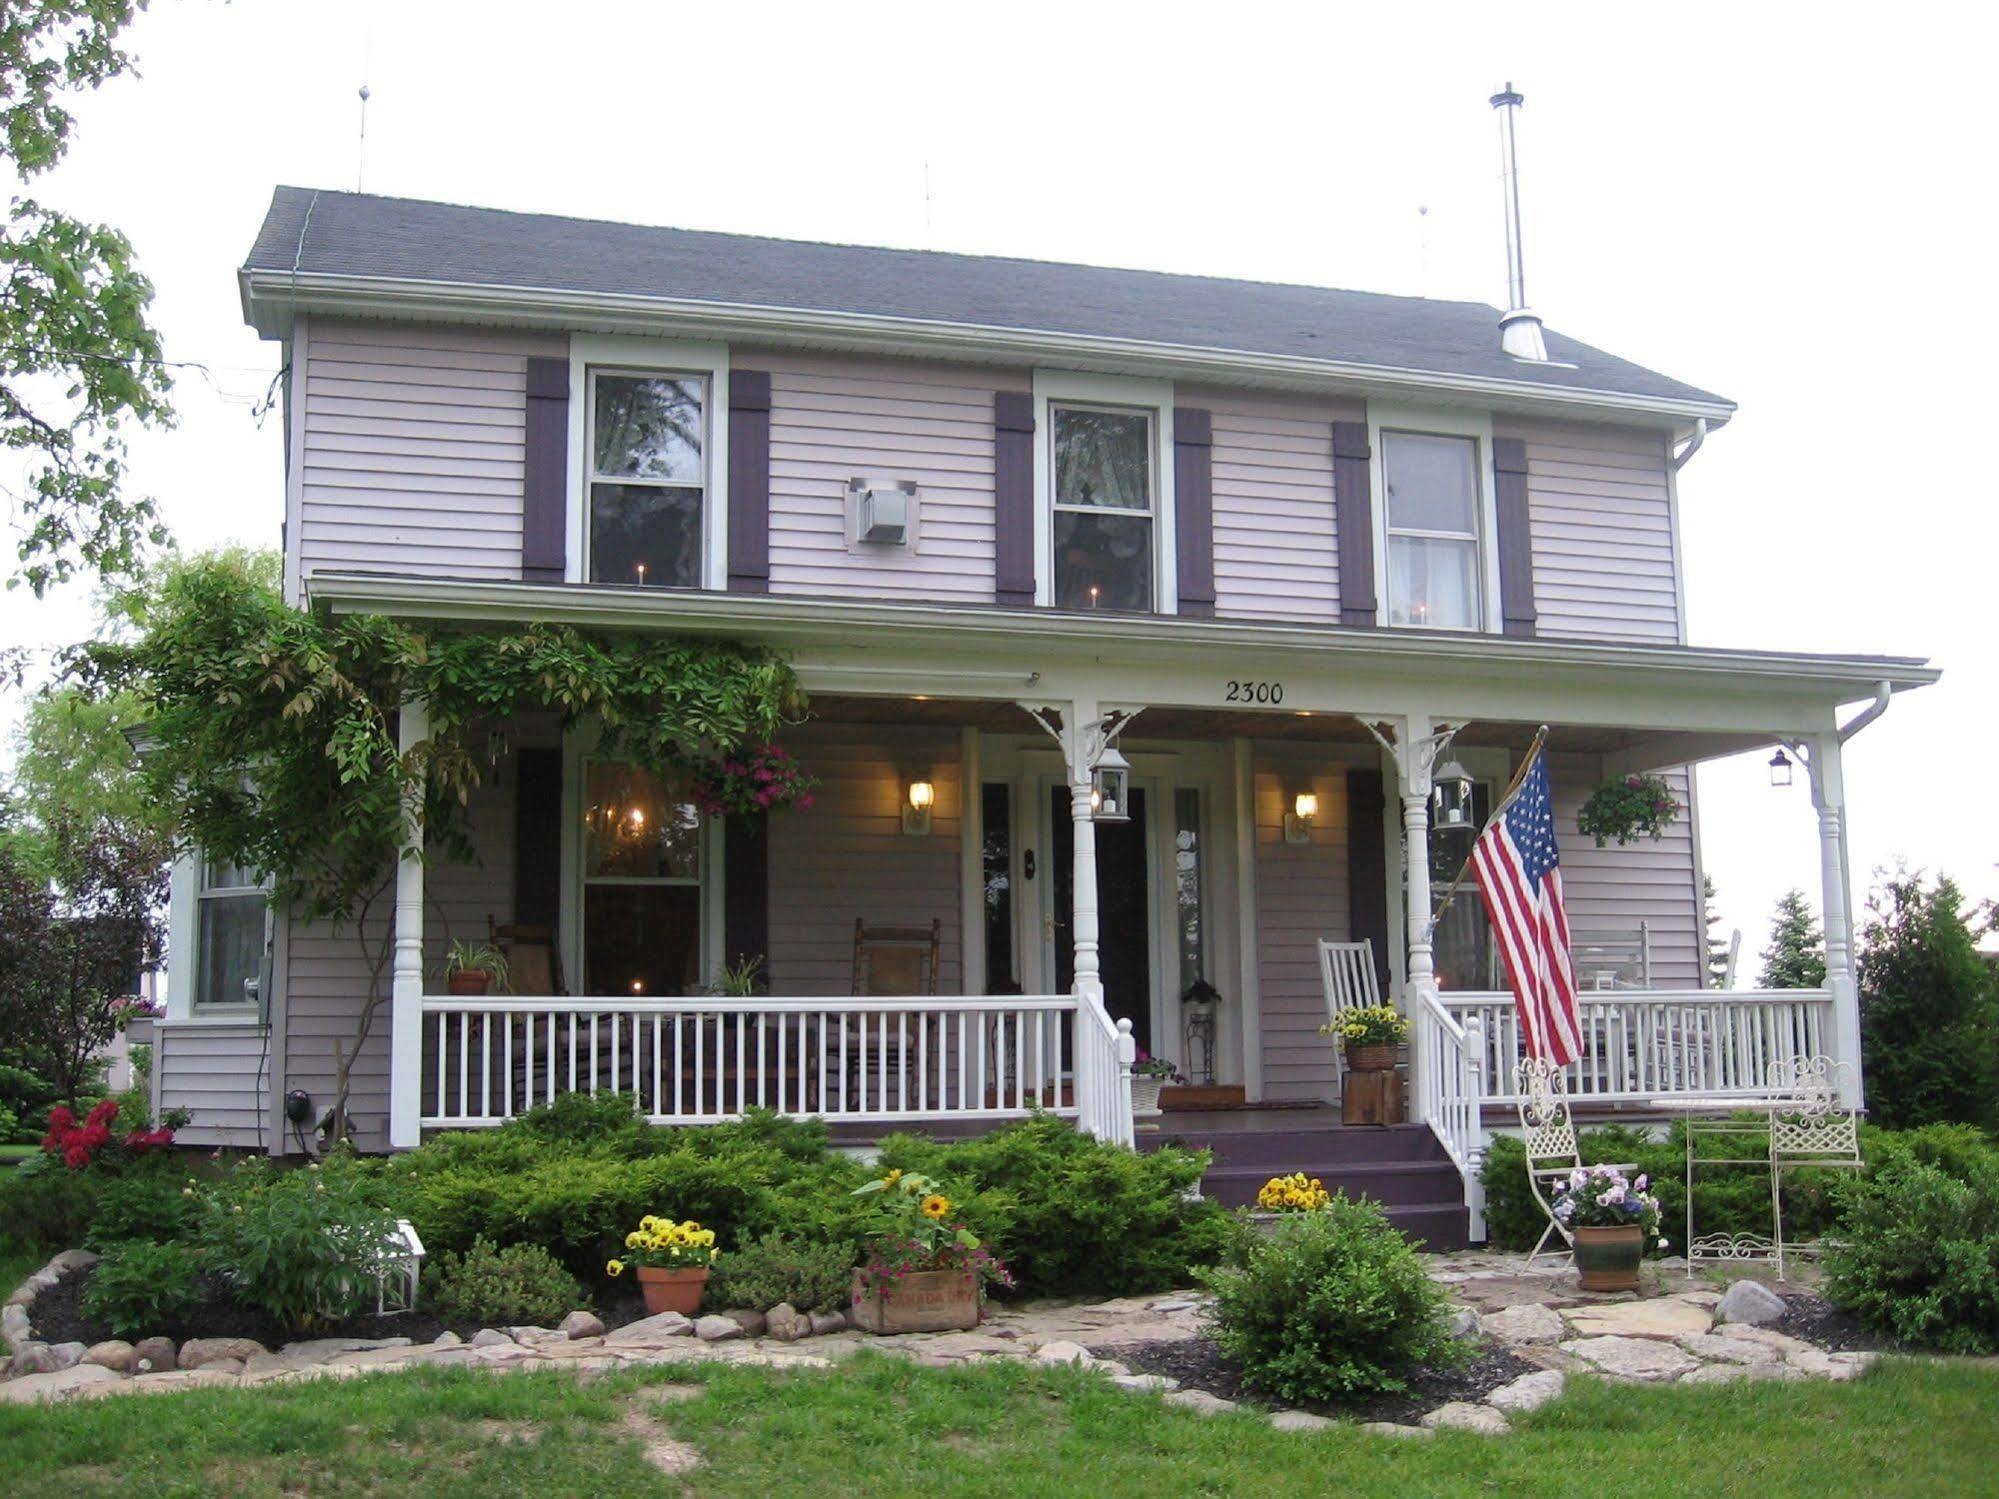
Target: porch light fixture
<point>916,808</point>
<point>1450,796</point>
<point>1780,769</point>
<point>1298,821</point>
<point>1110,787</point>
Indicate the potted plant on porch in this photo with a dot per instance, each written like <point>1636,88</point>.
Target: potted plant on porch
<point>924,1272</point>
<point>475,968</point>
<point>1148,1075</point>
<point>1372,1034</point>
<point>671,1261</point>
<point>1610,1221</point>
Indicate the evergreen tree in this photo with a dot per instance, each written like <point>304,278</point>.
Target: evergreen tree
<point>1717,945</point>
<point>1929,1010</point>
<point>1795,958</point>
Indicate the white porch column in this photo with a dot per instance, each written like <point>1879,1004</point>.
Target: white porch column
<point>1829,800</point>
<point>406,987</point>
<point>1083,890</point>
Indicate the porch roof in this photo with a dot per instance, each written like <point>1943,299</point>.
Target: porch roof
<point>879,648</point>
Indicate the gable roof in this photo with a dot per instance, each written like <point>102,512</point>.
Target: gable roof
<point>309,235</point>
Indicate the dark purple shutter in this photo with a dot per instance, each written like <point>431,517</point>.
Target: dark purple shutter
<point>1516,542</point>
<point>749,481</point>
<point>1367,865</point>
<point>1193,509</point>
<point>1353,518</point>
<point>545,500</point>
<point>1013,499</point>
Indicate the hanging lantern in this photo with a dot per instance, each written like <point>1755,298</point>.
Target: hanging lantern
<point>1110,787</point>
<point>1780,769</point>
<point>1450,797</point>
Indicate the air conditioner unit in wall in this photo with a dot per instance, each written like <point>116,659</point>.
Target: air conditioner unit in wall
<point>883,509</point>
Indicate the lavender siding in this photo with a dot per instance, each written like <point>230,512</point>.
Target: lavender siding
<point>833,419</point>
<point>413,449</point>
<point>846,856</point>
<point>218,1074</point>
<point>1613,889</point>
<point>1602,521</point>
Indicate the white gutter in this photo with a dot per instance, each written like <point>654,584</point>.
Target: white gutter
<point>271,296</point>
<point>818,622</point>
<point>1882,692</point>
<point>1679,459</point>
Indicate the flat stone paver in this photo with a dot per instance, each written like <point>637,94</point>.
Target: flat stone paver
<point>1532,1323</point>
<point>1641,1359</point>
<point>1662,1317</point>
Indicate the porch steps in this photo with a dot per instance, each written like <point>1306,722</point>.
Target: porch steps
<point>1403,1167</point>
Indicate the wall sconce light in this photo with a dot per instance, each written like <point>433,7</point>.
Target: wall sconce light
<point>916,808</point>
<point>1298,821</point>
<point>1450,796</point>
<point>1110,787</point>
<point>1780,769</point>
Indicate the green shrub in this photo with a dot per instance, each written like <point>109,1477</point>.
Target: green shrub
<point>10,1125</point>
<point>522,1284</point>
<point>1071,1215</point>
<point>45,1205</point>
<point>1331,1303</point>
<point>1918,1255</point>
<point>142,1289</point>
<point>1929,1009</point>
<point>298,1244</point>
<point>776,1268</point>
<point>154,1203</point>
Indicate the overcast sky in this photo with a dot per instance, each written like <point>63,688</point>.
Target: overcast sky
<point>1792,206</point>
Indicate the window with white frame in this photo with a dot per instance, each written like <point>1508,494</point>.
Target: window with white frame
<point>231,910</point>
<point>642,874</point>
<point>1432,510</point>
<point>648,478</point>
<point>1104,499</point>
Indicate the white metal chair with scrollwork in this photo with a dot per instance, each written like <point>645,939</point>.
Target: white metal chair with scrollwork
<point>1548,1132</point>
<point>1812,1128</point>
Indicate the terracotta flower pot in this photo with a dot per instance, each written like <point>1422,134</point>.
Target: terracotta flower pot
<point>672,1290</point>
<point>467,981</point>
<point>1371,1058</point>
<point>1608,1258</point>
<point>925,1301</point>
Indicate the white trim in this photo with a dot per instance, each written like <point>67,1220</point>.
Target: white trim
<point>971,865</point>
<point>298,356</point>
<point>270,297</point>
<point>588,351</point>
<point>1673,532</point>
<point>1440,421</point>
<point>1065,388</point>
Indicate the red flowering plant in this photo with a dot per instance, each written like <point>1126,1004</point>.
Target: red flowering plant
<point>917,1232</point>
<point>82,1145</point>
<point>746,782</point>
<point>1625,806</point>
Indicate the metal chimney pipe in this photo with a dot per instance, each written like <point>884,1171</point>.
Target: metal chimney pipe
<point>1520,329</point>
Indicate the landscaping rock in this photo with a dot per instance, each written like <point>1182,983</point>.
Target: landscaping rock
<point>14,1325</point>
<point>1528,1393</point>
<point>447,1339</point>
<point>68,1355</point>
<point>652,1329</point>
<point>581,1324</point>
<point>21,1295</point>
<point>319,1350</point>
<point>713,1329</point>
<point>788,1329</point>
<point>1640,1359</point>
<point>1749,1301</point>
<point>1145,1384</point>
<point>489,1337</point>
<point>32,1357</point>
<point>1460,1415</point>
<point>114,1354</point>
<point>155,1355</point>
<point>1391,1429</point>
<point>1713,1347</point>
<point>229,1366</point>
<point>753,1323</point>
<point>71,1260</point>
<point>1061,1351</point>
<point>1462,1322</point>
<point>1199,1400</point>
<point>827,1322</point>
<point>54,1385</point>
<point>1661,1317</point>
<point>535,1337</point>
<point>1531,1323</point>
<point>201,1353</point>
<point>1299,1421</point>
<point>784,1311</point>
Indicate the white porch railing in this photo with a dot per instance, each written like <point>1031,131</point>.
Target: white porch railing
<point>487,1058</point>
<point>1450,1090</point>
<point>1643,1044</point>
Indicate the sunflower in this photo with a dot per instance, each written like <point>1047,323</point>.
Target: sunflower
<point>936,1206</point>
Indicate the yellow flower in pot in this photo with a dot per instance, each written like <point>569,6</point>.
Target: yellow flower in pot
<point>672,1261</point>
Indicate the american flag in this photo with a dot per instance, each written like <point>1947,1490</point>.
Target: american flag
<point>1520,876</point>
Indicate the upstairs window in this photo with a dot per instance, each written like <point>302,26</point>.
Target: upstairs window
<point>648,478</point>
<point>1432,513</point>
<point>230,910</point>
<point>1104,503</point>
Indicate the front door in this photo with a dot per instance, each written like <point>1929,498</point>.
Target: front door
<point>1124,910</point>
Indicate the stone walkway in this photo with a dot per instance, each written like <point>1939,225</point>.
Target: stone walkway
<point>1675,1331</point>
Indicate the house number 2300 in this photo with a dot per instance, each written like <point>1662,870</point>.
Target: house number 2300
<point>1255,692</point>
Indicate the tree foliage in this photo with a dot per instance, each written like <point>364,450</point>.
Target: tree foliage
<point>78,359</point>
<point>1929,1010</point>
<point>73,763</point>
<point>1795,958</point>
<point>1717,949</point>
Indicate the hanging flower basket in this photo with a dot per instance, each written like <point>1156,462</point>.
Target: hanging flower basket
<point>752,781</point>
<point>1626,806</point>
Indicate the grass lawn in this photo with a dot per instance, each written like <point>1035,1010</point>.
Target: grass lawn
<point>882,1427</point>
<point>13,1155</point>
<point>17,1264</point>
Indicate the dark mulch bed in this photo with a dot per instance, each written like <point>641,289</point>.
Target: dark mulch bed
<point>58,1317</point>
<point>1815,1320</point>
<point>1199,1364</point>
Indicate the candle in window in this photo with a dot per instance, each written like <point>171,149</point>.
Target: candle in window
<point>1094,594</point>
<point>638,986</point>
<point>642,574</point>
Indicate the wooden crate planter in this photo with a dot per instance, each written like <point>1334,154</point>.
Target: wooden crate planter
<point>1372,1097</point>
<point>925,1301</point>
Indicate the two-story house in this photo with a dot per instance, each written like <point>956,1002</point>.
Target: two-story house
<point>1294,556</point>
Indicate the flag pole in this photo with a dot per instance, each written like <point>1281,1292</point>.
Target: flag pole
<point>1499,811</point>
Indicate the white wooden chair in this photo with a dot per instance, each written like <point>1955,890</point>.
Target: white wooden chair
<point>1347,972</point>
<point>1548,1132</point>
<point>1813,1129</point>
